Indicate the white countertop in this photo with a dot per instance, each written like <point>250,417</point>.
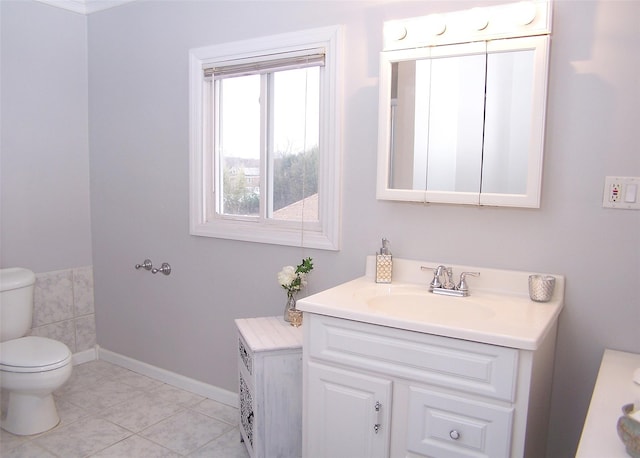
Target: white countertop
<point>269,333</point>
<point>614,388</point>
<point>497,312</point>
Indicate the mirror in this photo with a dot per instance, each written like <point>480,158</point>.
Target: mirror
<point>463,123</point>
<point>436,117</point>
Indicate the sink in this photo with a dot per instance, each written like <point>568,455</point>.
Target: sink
<point>498,310</point>
<point>418,303</point>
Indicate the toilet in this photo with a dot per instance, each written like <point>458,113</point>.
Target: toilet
<point>31,367</point>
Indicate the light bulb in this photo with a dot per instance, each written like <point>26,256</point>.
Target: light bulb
<point>525,13</point>
<point>436,25</point>
<point>395,31</point>
<point>477,19</point>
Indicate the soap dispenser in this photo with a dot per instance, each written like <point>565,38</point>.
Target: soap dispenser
<point>384,263</point>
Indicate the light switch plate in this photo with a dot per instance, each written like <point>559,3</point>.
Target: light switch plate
<point>621,193</point>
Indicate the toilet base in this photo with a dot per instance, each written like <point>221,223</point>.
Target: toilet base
<point>29,414</point>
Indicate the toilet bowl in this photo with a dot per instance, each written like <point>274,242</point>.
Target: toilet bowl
<point>31,367</point>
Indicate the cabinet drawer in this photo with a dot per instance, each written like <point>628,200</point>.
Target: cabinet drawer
<point>448,426</point>
<point>472,367</point>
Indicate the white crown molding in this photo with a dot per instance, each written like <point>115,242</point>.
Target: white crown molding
<point>85,6</point>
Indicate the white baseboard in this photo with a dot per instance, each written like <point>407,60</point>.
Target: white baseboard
<point>179,381</point>
<point>85,356</point>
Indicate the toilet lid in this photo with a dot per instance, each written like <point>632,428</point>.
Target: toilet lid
<point>33,354</point>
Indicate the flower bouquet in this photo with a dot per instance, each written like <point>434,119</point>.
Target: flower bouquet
<point>293,280</point>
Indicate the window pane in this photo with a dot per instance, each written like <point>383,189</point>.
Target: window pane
<point>239,145</point>
<point>295,144</point>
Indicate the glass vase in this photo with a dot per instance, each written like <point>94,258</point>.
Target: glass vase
<point>290,305</point>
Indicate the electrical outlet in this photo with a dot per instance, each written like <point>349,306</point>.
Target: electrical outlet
<point>614,192</point>
<point>621,193</point>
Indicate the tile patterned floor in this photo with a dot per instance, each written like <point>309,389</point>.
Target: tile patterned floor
<point>109,411</point>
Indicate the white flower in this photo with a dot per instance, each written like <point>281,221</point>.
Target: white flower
<point>286,276</point>
<point>293,279</point>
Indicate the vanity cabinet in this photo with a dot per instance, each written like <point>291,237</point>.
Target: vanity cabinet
<point>379,391</point>
<point>270,387</point>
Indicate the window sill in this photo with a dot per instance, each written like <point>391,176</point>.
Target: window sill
<point>276,235</point>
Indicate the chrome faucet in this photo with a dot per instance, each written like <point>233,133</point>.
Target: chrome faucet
<point>442,282</point>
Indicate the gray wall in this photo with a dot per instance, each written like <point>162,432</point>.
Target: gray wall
<point>44,169</point>
<point>138,144</point>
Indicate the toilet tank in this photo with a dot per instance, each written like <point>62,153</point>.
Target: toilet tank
<point>16,302</point>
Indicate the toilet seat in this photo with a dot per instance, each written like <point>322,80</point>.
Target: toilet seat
<point>33,354</point>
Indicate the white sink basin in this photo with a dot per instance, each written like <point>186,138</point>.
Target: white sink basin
<point>498,310</point>
<point>416,302</point>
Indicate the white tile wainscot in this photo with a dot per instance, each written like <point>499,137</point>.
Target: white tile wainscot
<point>270,379</point>
<point>614,388</point>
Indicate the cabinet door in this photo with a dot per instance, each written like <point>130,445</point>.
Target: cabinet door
<point>348,414</point>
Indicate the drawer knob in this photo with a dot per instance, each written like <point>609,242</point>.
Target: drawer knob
<point>453,434</point>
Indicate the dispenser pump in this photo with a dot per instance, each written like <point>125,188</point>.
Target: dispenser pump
<point>384,263</point>
<point>385,247</point>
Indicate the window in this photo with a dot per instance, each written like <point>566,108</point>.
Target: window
<point>265,146</point>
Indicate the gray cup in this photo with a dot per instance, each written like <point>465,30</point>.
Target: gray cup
<point>541,287</point>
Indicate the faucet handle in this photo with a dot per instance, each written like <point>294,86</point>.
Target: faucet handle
<point>462,285</point>
<point>437,271</point>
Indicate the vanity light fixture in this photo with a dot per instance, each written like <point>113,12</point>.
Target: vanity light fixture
<point>524,18</point>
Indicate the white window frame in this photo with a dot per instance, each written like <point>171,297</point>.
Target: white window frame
<point>325,235</point>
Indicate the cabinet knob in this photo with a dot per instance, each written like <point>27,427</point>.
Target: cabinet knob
<point>453,434</point>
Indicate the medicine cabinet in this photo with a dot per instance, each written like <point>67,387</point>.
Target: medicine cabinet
<point>462,106</point>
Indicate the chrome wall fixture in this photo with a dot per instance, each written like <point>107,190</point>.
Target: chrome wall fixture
<point>165,268</point>
<point>146,265</point>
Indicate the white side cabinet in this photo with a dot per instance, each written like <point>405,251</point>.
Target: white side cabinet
<point>270,387</point>
<point>377,391</point>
